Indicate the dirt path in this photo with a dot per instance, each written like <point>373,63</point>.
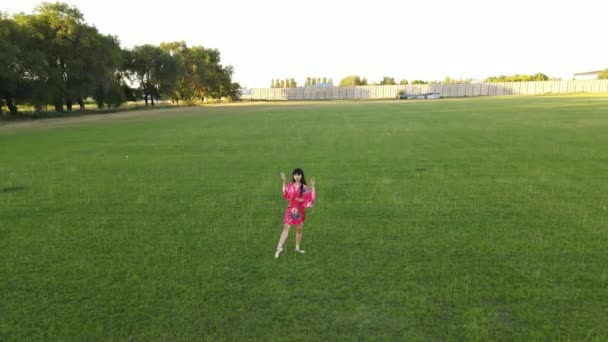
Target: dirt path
<point>92,118</point>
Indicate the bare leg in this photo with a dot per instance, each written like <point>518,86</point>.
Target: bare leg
<point>299,238</point>
<point>282,240</point>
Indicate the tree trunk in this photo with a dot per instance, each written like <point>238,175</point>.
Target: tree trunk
<point>59,106</point>
<point>11,106</point>
<point>152,100</point>
<point>68,104</point>
<point>146,99</point>
<point>81,103</point>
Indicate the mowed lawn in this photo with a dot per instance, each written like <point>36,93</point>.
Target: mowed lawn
<point>453,219</point>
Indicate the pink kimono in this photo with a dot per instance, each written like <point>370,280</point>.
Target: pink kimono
<point>296,214</point>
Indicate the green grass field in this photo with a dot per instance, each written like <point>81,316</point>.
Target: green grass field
<point>466,219</point>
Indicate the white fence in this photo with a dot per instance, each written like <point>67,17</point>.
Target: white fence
<point>445,90</point>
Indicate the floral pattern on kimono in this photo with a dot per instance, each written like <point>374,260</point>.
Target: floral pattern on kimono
<point>298,202</point>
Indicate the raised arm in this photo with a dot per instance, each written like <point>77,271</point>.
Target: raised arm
<point>310,196</point>
<point>285,194</point>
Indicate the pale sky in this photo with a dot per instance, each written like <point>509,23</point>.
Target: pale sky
<point>419,39</point>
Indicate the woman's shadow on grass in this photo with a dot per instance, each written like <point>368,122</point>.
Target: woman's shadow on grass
<point>13,189</point>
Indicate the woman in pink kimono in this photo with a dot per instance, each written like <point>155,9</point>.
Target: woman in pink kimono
<point>300,197</point>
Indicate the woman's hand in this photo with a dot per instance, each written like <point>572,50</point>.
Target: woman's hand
<point>312,182</point>
<point>283,177</point>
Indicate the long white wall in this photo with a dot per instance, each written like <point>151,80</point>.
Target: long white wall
<point>445,90</point>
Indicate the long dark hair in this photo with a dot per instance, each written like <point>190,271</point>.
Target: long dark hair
<point>300,172</point>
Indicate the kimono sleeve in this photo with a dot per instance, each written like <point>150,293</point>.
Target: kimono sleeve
<point>309,198</point>
<point>287,192</point>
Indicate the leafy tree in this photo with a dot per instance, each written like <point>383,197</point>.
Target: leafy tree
<point>218,82</point>
<point>388,81</point>
<point>11,63</point>
<point>60,30</point>
<point>518,78</point>
<point>449,80</point>
<point>100,72</point>
<point>53,56</point>
<point>65,60</point>
<point>353,80</point>
<point>191,70</point>
<point>154,69</point>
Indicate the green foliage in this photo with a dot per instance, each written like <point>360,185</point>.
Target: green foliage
<point>419,82</point>
<point>218,82</point>
<point>154,69</point>
<point>403,82</point>
<point>312,81</point>
<point>131,94</point>
<point>59,58</point>
<point>180,73</point>
<point>353,80</point>
<point>11,64</point>
<point>388,81</point>
<point>53,56</point>
<point>287,83</point>
<point>517,78</point>
<point>539,76</point>
<point>62,35</point>
<point>603,75</point>
<point>233,91</point>
<point>109,93</point>
<point>449,80</point>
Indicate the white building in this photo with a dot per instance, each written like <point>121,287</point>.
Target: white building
<point>589,75</point>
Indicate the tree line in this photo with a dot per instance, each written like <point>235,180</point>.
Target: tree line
<point>355,80</point>
<point>313,81</point>
<point>286,83</point>
<point>517,78</point>
<point>53,57</point>
<point>310,82</point>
